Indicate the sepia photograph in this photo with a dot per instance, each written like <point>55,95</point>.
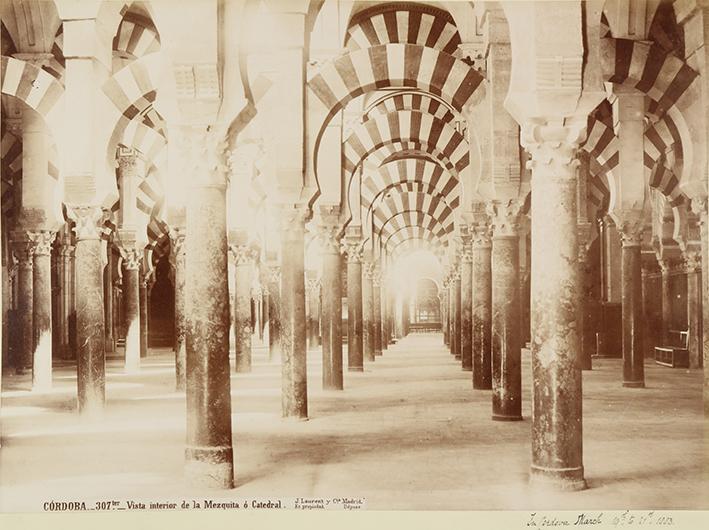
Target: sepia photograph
<point>279,256</point>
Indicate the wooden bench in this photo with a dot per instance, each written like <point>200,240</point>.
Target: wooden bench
<point>676,355</point>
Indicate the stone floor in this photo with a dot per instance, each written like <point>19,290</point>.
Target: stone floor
<point>409,432</point>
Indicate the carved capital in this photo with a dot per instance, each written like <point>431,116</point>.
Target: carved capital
<point>274,274</point>
<point>505,217</point>
<point>354,250</point>
<point>313,285</point>
<point>203,154</point>
<point>131,257</point>
<point>293,219</point>
<point>692,261</point>
<point>177,242</point>
<point>66,251</point>
<point>368,269</point>
<point>631,232</point>
<point>330,235</point>
<point>23,249</point>
<point>553,149</point>
<point>88,221</point>
<point>242,254</point>
<point>42,241</point>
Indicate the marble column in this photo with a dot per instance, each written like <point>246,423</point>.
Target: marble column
<point>313,303</point>
<point>586,342</point>
<point>331,290</point>
<point>466,303</point>
<point>243,256</point>
<point>23,249</point>
<point>452,326</point>
<point>368,311</point>
<point>146,283</point>
<point>406,314</point>
<point>108,302</point>
<point>665,267</point>
<point>274,312</point>
<point>355,346</point>
<point>209,458</point>
<point>177,249</point>
<point>42,309</point>
<point>692,262</point>
<point>294,393</point>
<point>557,444</point>
<point>482,307</point>
<point>458,313</point>
<point>66,254</point>
<point>90,338</point>
<point>131,307</point>
<point>377,310</point>
<point>631,231</point>
<point>444,313</point>
<point>385,316</point>
<point>506,345</point>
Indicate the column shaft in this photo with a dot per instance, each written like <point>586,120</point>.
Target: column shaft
<point>377,312</point>
<point>274,313</point>
<point>293,333</point>
<point>90,339</point>
<point>209,453</point>
<point>355,347</point>
<point>242,309</point>
<point>42,311</point>
<point>131,313</point>
<point>506,348</point>
<point>557,443</point>
<point>666,302</point>
<point>631,294</point>
<point>25,300</point>
<point>457,318</point>
<point>108,304</point>
<point>482,313</point>
<point>177,240</point>
<point>694,311</point>
<point>368,313</point>
<point>331,317</point>
<point>466,311</point>
<point>144,299</point>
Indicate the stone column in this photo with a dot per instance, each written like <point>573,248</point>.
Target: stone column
<point>457,314</point>
<point>131,307</point>
<point>693,262</point>
<point>42,309</point>
<point>482,307</point>
<point>67,258</point>
<point>23,249</point>
<point>631,230</point>
<point>274,312</point>
<point>293,341</point>
<point>385,316</point>
<point>90,342</point>
<point>331,303</point>
<point>377,309</point>
<point>506,346</point>
<point>466,302</point>
<point>368,311</point>
<point>355,345</point>
<point>406,315</point>
<point>665,267</point>
<point>108,303</point>
<point>444,313</point>
<point>557,456</point>
<point>177,248</point>
<point>587,337</point>
<point>453,325</point>
<point>209,453</point>
<point>313,303</point>
<point>146,283</point>
<point>242,307</point>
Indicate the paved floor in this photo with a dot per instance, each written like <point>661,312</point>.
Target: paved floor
<point>409,432</point>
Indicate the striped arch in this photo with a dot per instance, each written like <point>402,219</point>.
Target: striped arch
<point>410,101</point>
<point>136,36</point>
<point>413,244</point>
<point>432,242</point>
<point>408,199</point>
<point>411,170</point>
<point>674,95</point>
<point>392,151</point>
<point>403,23</point>
<point>409,231</point>
<point>406,126</point>
<point>391,65</point>
<point>11,151</point>
<point>32,85</point>
<point>408,218</point>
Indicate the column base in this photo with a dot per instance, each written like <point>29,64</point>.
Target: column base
<point>482,387</point>
<point>295,419</point>
<point>564,479</point>
<point>355,369</point>
<point>210,467</point>
<point>377,353</point>
<point>467,369</point>
<point>458,357</point>
<point>503,417</point>
<point>634,384</point>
